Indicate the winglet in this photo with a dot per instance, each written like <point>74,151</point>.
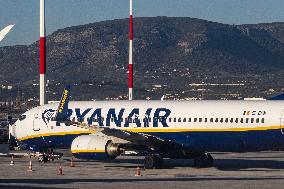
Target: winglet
<point>62,110</point>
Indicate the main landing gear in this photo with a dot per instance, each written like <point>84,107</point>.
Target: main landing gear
<point>203,160</point>
<point>153,161</point>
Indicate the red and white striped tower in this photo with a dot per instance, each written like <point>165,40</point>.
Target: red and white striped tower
<point>130,66</point>
<point>42,53</point>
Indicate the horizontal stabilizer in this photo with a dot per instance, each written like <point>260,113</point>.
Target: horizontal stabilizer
<point>62,110</point>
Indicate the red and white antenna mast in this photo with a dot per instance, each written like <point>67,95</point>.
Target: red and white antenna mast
<point>42,53</point>
<point>130,66</point>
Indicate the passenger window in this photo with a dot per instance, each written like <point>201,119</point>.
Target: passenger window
<point>195,120</point>
<point>227,120</point>
<point>184,120</point>
<point>205,120</point>
<point>257,120</point>
<point>170,119</point>
<point>112,119</point>
<point>179,119</point>
<point>189,119</point>
<point>252,120</point>
<point>232,120</point>
<point>211,120</point>
<point>216,120</point>
<point>200,120</point>
<point>221,120</point>
<point>236,120</point>
<point>247,120</point>
<point>262,120</point>
<point>242,120</point>
<point>175,119</point>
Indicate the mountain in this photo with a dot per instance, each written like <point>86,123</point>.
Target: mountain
<point>179,57</point>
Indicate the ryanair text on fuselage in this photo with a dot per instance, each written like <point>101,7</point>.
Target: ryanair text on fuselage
<point>159,115</point>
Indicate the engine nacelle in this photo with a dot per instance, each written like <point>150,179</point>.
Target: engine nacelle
<point>95,147</point>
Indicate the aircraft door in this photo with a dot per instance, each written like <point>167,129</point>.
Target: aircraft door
<point>282,122</point>
<point>36,122</point>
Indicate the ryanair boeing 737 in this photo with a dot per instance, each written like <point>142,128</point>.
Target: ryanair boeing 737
<point>158,129</point>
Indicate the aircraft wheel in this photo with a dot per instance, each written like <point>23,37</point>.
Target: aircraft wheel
<point>40,159</point>
<point>153,162</point>
<point>43,158</point>
<point>203,161</point>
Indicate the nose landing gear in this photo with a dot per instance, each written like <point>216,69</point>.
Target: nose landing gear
<point>48,156</point>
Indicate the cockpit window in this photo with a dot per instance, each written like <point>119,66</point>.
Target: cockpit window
<point>22,117</point>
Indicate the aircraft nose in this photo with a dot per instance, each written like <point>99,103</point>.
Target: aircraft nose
<point>12,130</point>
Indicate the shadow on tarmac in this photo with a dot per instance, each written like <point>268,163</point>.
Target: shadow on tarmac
<point>129,180</point>
<point>23,187</point>
<point>241,164</point>
<point>231,164</point>
<point>221,164</point>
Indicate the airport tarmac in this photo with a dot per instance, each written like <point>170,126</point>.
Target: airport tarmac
<point>231,170</point>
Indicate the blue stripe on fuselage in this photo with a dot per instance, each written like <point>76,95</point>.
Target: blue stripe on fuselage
<point>207,141</point>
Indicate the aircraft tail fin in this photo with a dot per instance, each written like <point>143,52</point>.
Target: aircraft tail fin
<point>5,31</point>
<point>62,110</point>
<point>279,97</point>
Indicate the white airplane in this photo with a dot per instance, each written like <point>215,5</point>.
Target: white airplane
<point>158,129</point>
<point>5,31</point>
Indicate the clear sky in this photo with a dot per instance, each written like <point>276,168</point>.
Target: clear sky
<point>64,13</point>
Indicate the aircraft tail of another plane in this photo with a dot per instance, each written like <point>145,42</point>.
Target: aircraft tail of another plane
<point>62,110</point>
<point>5,31</point>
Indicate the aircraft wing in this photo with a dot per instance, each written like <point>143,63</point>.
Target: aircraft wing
<point>138,138</point>
<point>166,147</point>
<point>5,31</point>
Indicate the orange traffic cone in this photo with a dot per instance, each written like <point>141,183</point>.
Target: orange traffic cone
<point>30,166</point>
<point>60,170</point>
<point>72,164</point>
<point>12,161</point>
<point>138,172</point>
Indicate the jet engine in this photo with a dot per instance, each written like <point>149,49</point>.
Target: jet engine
<point>95,147</point>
